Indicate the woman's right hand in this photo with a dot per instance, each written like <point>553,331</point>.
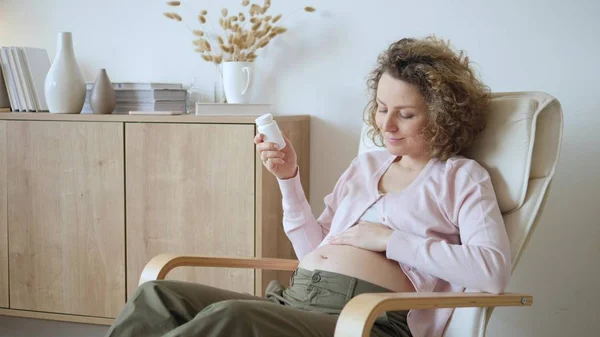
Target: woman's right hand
<point>282,163</point>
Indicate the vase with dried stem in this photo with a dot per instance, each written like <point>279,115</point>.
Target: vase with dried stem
<point>241,36</point>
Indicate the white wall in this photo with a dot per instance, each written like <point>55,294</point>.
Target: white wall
<point>319,67</point>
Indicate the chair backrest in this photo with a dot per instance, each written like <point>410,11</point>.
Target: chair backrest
<point>520,148</point>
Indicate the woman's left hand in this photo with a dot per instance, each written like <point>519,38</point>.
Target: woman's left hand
<point>366,235</point>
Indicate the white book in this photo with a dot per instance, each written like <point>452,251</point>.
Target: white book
<point>155,112</point>
<point>25,81</point>
<point>146,96</point>
<point>38,65</point>
<point>148,86</point>
<point>232,109</point>
<point>125,107</point>
<point>140,86</point>
<point>12,62</point>
<point>126,95</point>
<point>4,99</point>
<point>11,86</point>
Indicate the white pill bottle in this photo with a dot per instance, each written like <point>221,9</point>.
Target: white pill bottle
<point>268,127</point>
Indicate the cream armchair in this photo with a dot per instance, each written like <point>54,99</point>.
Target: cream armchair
<point>519,148</point>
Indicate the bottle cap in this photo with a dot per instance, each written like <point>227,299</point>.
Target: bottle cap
<point>264,119</point>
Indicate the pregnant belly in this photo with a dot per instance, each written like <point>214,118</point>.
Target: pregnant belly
<point>360,263</point>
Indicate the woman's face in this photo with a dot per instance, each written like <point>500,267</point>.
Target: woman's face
<point>401,115</point>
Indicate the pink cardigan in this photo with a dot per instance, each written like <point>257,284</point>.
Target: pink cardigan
<point>449,233</point>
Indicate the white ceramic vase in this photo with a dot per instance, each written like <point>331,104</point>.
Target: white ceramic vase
<point>238,81</point>
<point>64,86</point>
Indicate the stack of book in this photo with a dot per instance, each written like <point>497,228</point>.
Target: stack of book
<point>22,74</point>
<point>144,97</point>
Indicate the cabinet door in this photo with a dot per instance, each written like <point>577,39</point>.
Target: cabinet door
<point>190,190</point>
<point>66,217</point>
<point>3,228</point>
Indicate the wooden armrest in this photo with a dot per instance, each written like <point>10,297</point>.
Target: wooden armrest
<point>359,314</point>
<point>161,265</point>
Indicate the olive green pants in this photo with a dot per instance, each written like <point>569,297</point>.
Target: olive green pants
<point>309,307</point>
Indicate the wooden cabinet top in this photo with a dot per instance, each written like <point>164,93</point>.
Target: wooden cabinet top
<point>219,119</point>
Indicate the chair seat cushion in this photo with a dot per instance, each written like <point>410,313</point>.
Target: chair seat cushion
<point>504,148</point>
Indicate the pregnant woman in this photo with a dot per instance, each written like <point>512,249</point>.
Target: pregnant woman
<point>415,217</point>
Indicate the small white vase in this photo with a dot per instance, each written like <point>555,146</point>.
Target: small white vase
<point>238,81</point>
<point>64,86</point>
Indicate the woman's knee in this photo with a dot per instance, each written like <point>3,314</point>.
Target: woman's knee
<point>233,308</point>
<point>154,287</point>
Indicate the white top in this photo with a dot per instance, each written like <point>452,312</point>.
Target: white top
<point>373,213</point>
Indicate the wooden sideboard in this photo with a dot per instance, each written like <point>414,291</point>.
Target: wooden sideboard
<point>87,200</point>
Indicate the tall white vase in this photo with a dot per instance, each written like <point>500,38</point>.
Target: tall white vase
<point>64,86</point>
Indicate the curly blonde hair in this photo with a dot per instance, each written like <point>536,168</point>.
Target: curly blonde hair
<point>456,99</point>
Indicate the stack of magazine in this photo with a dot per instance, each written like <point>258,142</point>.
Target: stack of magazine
<point>143,97</point>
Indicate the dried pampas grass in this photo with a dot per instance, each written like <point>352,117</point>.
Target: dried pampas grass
<point>242,34</point>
